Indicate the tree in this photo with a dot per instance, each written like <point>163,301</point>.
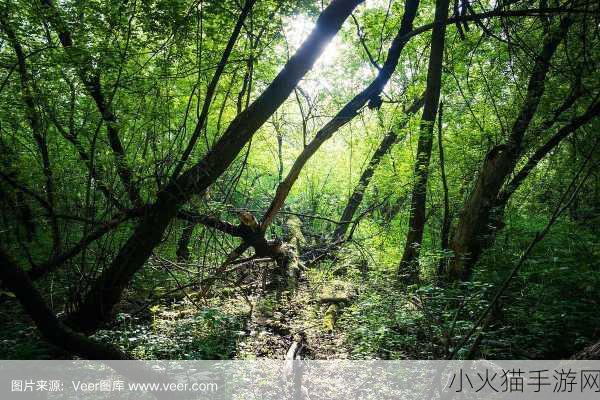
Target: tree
<point>408,265</point>
<point>107,290</point>
<point>481,214</point>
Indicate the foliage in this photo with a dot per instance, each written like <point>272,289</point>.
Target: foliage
<point>141,72</point>
<point>178,332</point>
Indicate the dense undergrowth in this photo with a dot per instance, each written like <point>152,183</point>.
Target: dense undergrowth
<point>549,311</point>
<point>187,180</point>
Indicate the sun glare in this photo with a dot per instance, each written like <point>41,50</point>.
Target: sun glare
<point>296,30</point>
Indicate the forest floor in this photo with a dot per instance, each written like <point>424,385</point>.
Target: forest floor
<point>20,338</point>
<point>262,324</point>
<point>300,317</point>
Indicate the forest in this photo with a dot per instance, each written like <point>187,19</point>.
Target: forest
<point>304,179</point>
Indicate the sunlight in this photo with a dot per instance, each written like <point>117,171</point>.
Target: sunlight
<point>177,184</point>
<point>296,30</point>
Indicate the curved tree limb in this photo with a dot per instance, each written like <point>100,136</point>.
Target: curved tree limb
<point>18,282</point>
<point>212,86</point>
<point>91,80</point>
<point>106,291</point>
<point>369,94</point>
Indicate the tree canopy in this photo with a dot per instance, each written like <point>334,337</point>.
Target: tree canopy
<point>407,179</point>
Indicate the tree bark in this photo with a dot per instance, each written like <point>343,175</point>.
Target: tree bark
<point>566,199</point>
<point>210,91</point>
<point>18,282</point>
<point>369,95</point>
<point>496,222</point>
<point>108,288</point>
<point>592,112</point>
<point>92,82</point>
<point>356,198</point>
<point>183,251</point>
<point>446,221</point>
<point>473,231</point>
<point>37,128</point>
<point>408,265</point>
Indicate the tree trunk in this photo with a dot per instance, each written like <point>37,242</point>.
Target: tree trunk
<point>183,252</point>
<point>408,265</point>
<point>212,87</point>
<point>478,219</point>
<point>356,198</point>
<point>369,95</point>
<point>108,288</point>
<point>445,233</point>
<point>17,281</point>
<point>499,202</point>
<point>90,77</point>
<point>37,128</point>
